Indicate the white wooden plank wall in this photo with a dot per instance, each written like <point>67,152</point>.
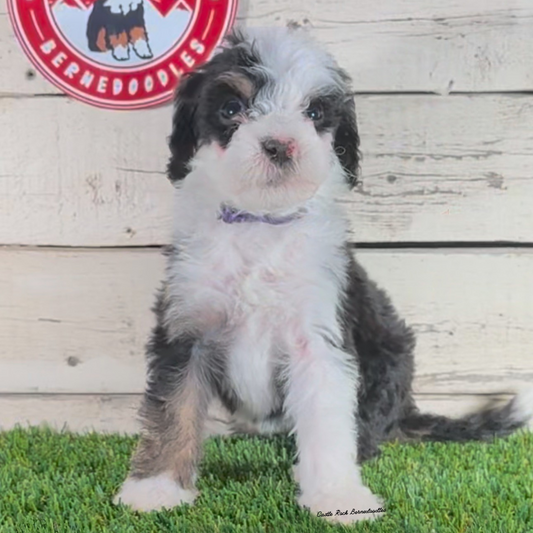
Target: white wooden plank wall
<point>390,45</point>
<point>446,120</point>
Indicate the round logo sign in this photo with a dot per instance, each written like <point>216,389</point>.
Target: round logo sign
<point>119,54</point>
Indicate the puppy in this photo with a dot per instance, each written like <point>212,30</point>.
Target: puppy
<point>264,307</point>
<point>115,25</point>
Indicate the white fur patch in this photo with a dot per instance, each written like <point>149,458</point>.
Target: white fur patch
<point>121,52</point>
<point>142,49</point>
<point>153,494</point>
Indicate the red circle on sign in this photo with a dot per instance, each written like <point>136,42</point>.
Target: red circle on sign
<point>119,54</point>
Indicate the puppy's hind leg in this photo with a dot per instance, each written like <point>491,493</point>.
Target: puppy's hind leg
<point>138,35</point>
<point>174,410</point>
<point>119,45</point>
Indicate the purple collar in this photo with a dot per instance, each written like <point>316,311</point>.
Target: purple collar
<point>231,215</point>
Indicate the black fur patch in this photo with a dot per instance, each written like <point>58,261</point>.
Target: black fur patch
<point>199,96</point>
<point>346,142</point>
<point>339,117</point>
<point>383,347</point>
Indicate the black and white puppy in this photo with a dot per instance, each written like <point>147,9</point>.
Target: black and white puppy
<point>117,25</point>
<point>264,307</point>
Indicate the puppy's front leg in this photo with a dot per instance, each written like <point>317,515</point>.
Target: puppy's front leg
<point>174,411</point>
<point>321,400</point>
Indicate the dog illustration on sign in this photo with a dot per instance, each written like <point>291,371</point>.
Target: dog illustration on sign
<point>118,26</point>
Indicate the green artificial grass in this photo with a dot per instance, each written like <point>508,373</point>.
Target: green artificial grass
<point>60,482</point>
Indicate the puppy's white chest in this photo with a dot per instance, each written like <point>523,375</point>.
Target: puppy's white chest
<point>253,289</point>
<point>261,287</point>
<point>237,278</point>
<point>247,288</point>
<point>251,355</point>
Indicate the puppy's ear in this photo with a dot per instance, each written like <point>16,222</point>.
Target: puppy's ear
<point>346,142</point>
<point>184,138</point>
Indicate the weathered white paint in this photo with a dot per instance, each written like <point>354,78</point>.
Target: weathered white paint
<point>77,412</point>
<point>75,175</point>
<point>454,168</point>
<point>391,45</point>
<point>118,413</point>
<point>77,321</point>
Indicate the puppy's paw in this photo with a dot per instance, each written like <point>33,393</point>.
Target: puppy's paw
<point>121,53</point>
<point>344,504</point>
<point>142,49</point>
<point>153,494</point>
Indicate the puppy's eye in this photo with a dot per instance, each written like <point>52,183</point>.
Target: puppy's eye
<point>314,112</point>
<point>232,108</point>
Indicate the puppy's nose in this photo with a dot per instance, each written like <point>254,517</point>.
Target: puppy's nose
<point>279,152</point>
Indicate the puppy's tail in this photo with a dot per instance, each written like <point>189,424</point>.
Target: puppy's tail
<point>485,424</point>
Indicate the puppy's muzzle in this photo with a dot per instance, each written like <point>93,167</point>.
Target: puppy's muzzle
<point>280,152</point>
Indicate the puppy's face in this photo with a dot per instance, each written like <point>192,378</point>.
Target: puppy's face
<point>269,120</point>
